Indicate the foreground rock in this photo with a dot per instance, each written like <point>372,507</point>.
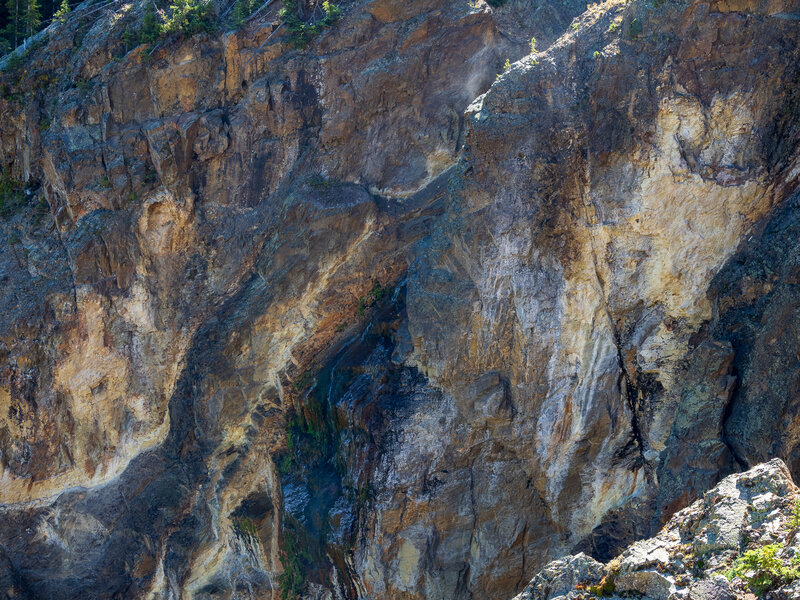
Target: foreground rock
<point>740,540</point>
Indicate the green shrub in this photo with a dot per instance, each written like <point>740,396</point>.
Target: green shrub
<point>150,174</point>
<point>794,520</point>
<point>376,295</point>
<point>129,38</point>
<point>506,67</point>
<point>285,464</point>
<point>319,183</point>
<point>12,194</point>
<point>293,559</point>
<point>763,570</point>
<point>241,10</point>
<point>151,26</point>
<point>332,13</point>
<point>303,31</point>
<point>304,380</point>
<point>534,51</point>
<point>606,587</point>
<point>189,17</point>
<point>14,62</point>
<point>245,527</point>
<point>635,29</point>
<point>63,10</point>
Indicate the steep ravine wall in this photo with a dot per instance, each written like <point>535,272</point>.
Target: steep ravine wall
<point>369,314</point>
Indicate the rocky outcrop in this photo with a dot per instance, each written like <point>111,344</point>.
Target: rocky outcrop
<point>740,539</point>
<point>366,319</point>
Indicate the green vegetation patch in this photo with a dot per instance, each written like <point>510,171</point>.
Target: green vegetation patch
<point>295,559</point>
<point>245,527</point>
<point>12,194</point>
<point>241,11</point>
<point>151,28</point>
<point>794,520</point>
<point>302,31</point>
<point>635,29</point>
<point>606,587</point>
<point>376,295</point>
<point>184,18</point>
<point>763,570</point>
<point>63,11</point>
<point>15,61</point>
<point>190,17</point>
<point>319,183</point>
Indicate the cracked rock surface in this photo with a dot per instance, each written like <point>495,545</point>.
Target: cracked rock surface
<point>387,316</point>
<point>692,556</point>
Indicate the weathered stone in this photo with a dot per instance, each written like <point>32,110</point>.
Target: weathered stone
<point>647,582</point>
<point>679,563</point>
<point>717,588</point>
<point>560,577</point>
<point>370,301</point>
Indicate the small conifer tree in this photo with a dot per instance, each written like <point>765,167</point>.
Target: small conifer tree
<point>128,38</point>
<point>241,10</point>
<point>61,14</point>
<point>151,26</point>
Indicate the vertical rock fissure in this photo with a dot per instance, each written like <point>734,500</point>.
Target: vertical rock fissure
<point>636,441</point>
<point>69,266</point>
<point>743,463</point>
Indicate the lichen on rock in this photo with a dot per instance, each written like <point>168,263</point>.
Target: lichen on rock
<point>740,539</point>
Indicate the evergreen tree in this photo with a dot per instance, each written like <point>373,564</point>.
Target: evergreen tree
<point>33,17</point>
<point>241,10</point>
<point>188,17</point>
<point>62,12</point>
<point>332,13</point>
<point>13,30</point>
<point>128,38</point>
<point>151,26</point>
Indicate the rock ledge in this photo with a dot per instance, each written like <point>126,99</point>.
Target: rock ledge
<point>698,554</point>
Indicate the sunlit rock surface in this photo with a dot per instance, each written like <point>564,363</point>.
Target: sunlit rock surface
<point>371,314</point>
<point>699,553</point>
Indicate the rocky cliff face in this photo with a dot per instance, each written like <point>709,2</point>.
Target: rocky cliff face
<point>366,319</point>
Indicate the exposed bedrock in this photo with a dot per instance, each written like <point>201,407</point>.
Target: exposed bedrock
<point>369,320</point>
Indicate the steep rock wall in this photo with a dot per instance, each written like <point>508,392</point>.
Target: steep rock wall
<point>338,311</point>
